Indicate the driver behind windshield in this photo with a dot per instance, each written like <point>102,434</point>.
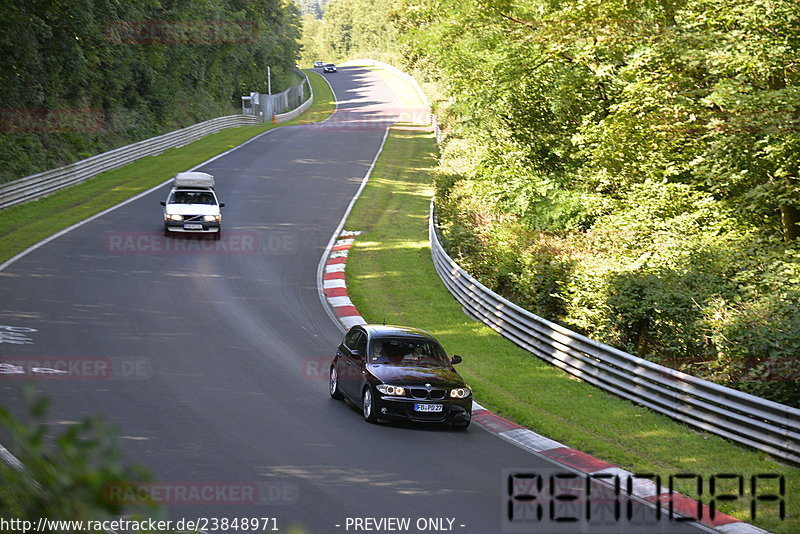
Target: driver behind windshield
<point>377,352</point>
<point>416,354</point>
<point>403,352</point>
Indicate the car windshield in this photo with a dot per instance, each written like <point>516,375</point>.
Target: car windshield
<point>407,351</point>
<point>191,197</point>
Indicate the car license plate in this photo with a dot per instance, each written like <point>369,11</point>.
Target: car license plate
<point>428,407</point>
<point>192,226</point>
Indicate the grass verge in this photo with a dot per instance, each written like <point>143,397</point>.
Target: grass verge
<point>391,277</point>
<point>26,224</point>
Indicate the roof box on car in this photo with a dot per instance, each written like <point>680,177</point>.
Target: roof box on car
<point>193,179</point>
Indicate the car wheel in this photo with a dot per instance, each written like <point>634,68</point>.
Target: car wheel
<point>166,232</point>
<point>462,425</point>
<point>218,235</point>
<point>334,383</point>
<point>369,406</point>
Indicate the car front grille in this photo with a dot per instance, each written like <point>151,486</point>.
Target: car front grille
<point>421,393</point>
<point>436,394</point>
<point>193,218</point>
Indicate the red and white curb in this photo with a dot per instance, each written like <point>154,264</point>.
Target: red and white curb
<point>334,287</point>
<point>333,281</point>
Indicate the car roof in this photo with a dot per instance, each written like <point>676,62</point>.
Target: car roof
<point>383,330</point>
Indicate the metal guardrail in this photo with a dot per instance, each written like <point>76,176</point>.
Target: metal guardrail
<point>746,419</point>
<point>289,115</point>
<point>280,107</point>
<point>44,183</point>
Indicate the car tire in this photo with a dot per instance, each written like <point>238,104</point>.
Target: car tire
<point>218,235</point>
<point>333,382</point>
<point>462,425</point>
<point>368,403</point>
<point>166,232</point>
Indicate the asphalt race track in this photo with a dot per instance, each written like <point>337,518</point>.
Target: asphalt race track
<point>218,354</point>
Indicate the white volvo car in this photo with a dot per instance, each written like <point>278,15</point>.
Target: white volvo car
<point>192,206</point>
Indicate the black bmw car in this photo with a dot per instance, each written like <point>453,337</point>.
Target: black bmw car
<point>397,372</point>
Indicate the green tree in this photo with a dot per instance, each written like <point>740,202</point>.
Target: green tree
<point>66,476</point>
<point>131,69</point>
<point>649,149</point>
<point>354,28</point>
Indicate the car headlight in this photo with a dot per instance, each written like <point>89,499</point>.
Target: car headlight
<point>211,218</point>
<point>397,391</point>
<point>460,393</point>
<point>169,217</point>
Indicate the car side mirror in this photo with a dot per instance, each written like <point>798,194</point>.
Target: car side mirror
<point>221,204</point>
<point>163,203</point>
<point>455,359</point>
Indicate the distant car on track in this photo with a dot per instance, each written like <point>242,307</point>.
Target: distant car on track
<point>402,373</point>
<point>318,64</point>
<point>329,67</point>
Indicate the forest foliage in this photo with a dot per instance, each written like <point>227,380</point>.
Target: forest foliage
<point>80,77</point>
<point>628,169</point>
<point>314,8</point>
<point>349,29</point>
